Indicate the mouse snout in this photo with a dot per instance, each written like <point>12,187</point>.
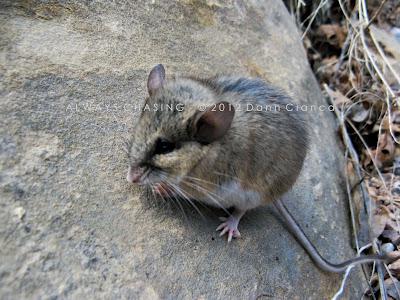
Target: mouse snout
<point>134,174</point>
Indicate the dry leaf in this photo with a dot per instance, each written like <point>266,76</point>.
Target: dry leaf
<point>338,98</point>
<point>396,166</point>
<point>395,267</point>
<point>378,222</point>
<point>355,88</point>
<point>375,188</point>
<point>327,68</point>
<point>391,235</point>
<point>334,34</point>
<point>359,113</point>
<point>396,183</point>
<point>385,150</point>
<point>392,285</point>
<point>387,40</point>
<point>383,154</point>
<point>395,122</point>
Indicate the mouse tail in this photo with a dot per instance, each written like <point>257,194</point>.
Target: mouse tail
<point>322,263</point>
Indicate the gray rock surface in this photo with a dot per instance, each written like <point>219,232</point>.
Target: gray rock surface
<point>70,225</point>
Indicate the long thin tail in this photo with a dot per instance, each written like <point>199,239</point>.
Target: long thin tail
<point>313,252</point>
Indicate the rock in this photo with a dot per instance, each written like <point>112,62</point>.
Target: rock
<point>72,73</point>
<point>387,248</point>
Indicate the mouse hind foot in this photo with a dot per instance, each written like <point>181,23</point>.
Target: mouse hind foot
<point>230,224</point>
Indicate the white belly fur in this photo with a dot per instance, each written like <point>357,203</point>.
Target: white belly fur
<point>231,194</point>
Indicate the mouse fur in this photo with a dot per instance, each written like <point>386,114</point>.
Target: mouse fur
<point>256,160</point>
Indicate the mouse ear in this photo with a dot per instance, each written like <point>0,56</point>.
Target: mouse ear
<point>156,79</point>
<point>213,123</point>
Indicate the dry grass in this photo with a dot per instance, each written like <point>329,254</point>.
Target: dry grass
<point>358,69</point>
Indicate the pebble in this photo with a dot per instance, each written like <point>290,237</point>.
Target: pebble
<point>387,248</point>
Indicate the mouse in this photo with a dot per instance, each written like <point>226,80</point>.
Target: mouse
<point>226,141</point>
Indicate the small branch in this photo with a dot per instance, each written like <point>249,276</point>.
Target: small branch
<point>340,291</point>
<point>376,13</point>
<point>381,276</point>
<point>315,13</point>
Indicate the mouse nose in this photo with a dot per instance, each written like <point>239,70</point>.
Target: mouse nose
<point>134,174</point>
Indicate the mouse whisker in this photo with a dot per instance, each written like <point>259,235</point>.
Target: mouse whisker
<point>190,196</point>
<point>175,200</point>
<point>212,196</point>
<point>206,181</point>
<point>153,193</point>
<point>178,190</point>
<point>193,198</point>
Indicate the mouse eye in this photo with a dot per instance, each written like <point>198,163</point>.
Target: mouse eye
<point>164,146</point>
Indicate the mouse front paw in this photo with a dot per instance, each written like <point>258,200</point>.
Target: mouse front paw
<point>230,227</point>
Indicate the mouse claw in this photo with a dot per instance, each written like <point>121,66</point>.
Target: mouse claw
<point>220,227</point>
<point>225,230</point>
<point>230,235</point>
<point>230,226</point>
<point>233,233</point>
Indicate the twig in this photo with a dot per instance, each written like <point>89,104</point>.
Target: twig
<point>353,219</point>
<point>345,47</point>
<point>381,276</point>
<point>320,5</point>
<point>384,57</point>
<point>393,280</point>
<point>369,152</point>
<point>376,13</point>
<point>345,276</point>
<point>346,16</point>
<point>354,156</point>
<point>368,52</point>
<point>352,151</point>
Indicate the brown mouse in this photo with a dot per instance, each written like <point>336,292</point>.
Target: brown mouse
<point>204,139</point>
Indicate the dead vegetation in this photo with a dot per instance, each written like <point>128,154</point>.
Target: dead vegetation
<point>354,50</point>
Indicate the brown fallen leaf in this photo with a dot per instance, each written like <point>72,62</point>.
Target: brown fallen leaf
<point>326,68</point>
<point>392,286</point>
<point>385,150</point>
<point>375,188</point>
<point>378,222</point>
<point>338,98</point>
<point>395,122</point>
<point>396,167</point>
<point>333,34</point>
<point>383,155</point>
<point>387,41</point>
<point>391,235</point>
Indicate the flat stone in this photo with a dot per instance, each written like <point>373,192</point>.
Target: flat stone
<point>71,73</point>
